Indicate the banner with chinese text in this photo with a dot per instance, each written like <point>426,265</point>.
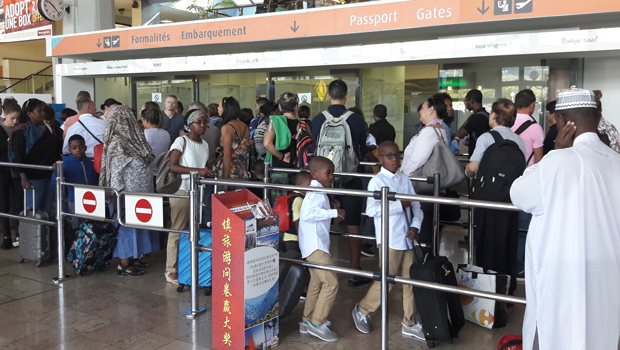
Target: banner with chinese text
<point>245,274</point>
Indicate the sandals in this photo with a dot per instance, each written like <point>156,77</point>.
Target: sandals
<point>123,271</point>
<point>170,279</point>
<point>139,264</point>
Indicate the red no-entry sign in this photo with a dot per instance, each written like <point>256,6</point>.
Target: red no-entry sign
<point>89,201</point>
<point>144,211</point>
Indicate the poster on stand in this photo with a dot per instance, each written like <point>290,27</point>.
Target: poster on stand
<point>246,290</point>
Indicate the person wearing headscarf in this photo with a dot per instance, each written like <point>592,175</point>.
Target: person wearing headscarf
<point>125,167</point>
<point>189,153</point>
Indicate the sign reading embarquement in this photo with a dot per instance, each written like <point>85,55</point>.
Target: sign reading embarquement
<point>380,16</point>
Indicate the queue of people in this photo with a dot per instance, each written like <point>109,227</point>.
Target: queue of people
<point>224,140</point>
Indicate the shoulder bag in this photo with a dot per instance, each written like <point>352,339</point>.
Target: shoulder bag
<point>168,181</point>
<point>441,161</point>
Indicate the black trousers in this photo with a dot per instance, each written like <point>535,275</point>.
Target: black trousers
<point>11,199</point>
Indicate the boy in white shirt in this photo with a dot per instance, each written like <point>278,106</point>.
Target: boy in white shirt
<point>401,235</point>
<point>314,224</point>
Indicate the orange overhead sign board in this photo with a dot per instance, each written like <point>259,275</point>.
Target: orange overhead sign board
<point>350,19</point>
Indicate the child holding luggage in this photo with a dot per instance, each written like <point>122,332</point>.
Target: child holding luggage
<point>77,169</point>
<point>402,232</point>
<point>314,223</point>
<point>295,201</point>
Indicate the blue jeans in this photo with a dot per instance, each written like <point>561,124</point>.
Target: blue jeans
<point>524,224</point>
<point>44,194</point>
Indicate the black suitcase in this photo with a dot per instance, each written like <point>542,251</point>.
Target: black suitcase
<point>37,242</point>
<point>293,280</point>
<point>441,312</point>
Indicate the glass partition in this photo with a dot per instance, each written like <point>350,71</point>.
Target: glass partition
<point>158,88</point>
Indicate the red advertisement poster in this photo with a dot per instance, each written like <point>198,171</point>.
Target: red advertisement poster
<point>20,20</point>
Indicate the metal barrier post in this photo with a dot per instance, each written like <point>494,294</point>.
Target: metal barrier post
<point>436,186</point>
<point>59,225</point>
<point>266,180</point>
<point>470,259</point>
<point>194,237</point>
<point>385,246</point>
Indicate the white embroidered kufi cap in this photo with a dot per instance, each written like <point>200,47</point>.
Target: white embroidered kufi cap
<point>575,98</point>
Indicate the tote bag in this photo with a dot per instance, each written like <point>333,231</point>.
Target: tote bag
<point>441,161</point>
<point>483,312</point>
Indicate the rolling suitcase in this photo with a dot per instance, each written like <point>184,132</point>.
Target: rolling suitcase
<point>93,247</point>
<point>293,280</point>
<point>441,312</point>
<point>185,263</point>
<point>37,242</point>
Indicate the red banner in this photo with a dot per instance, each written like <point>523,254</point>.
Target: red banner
<point>23,21</point>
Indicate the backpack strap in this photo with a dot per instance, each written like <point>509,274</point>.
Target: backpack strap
<point>524,127</point>
<point>328,116</point>
<point>496,136</point>
<point>292,229</point>
<point>91,134</point>
<point>346,115</point>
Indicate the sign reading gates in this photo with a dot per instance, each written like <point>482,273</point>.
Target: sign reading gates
<point>21,21</point>
<point>377,16</point>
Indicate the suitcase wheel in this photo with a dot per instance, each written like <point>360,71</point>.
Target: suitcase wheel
<point>430,343</point>
<point>180,288</point>
<point>38,264</point>
<point>208,291</point>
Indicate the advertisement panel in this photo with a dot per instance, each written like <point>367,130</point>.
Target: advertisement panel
<point>20,20</point>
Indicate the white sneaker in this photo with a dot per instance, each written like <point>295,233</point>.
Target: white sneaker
<point>415,331</point>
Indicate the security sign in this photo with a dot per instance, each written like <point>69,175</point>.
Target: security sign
<point>89,202</point>
<point>144,211</point>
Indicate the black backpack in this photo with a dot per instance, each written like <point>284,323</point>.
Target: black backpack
<point>501,165</point>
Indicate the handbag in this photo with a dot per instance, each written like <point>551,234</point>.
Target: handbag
<point>483,312</point>
<point>98,150</point>
<point>441,161</point>
<point>166,180</point>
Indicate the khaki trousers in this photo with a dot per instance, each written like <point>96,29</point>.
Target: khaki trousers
<point>399,263</point>
<point>322,289</point>
<point>179,214</point>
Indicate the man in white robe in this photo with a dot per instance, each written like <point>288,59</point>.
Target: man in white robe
<point>572,260</point>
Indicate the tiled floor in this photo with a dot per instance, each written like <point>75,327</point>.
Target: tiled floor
<point>104,311</point>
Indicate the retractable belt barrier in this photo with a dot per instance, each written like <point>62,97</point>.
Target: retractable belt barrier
<point>146,215</point>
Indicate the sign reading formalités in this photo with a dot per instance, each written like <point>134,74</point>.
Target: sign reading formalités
<point>376,16</point>
<point>21,20</point>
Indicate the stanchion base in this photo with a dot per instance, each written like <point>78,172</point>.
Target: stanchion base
<point>191,315</point>
<point>58,280</point>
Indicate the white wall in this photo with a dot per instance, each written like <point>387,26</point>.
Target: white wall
<point>602,74</point>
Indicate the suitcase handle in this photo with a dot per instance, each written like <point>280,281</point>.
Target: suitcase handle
<point>33,202</point>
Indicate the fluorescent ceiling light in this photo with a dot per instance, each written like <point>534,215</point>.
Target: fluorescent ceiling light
<point>166,21</point>
<point>242,3</point>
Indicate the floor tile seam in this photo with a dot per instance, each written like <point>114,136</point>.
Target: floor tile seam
<point>51,283</point>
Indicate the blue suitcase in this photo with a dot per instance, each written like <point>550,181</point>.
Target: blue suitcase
<point>204,262</point>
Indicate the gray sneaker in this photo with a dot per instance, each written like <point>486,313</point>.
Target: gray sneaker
<point>414,331</point>
<point>362,322</point>
<point>322,332</point>
<point>303,326</point>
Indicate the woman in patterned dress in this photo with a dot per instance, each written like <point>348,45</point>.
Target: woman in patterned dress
<point>234,159</point>
<point>125,167</point>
